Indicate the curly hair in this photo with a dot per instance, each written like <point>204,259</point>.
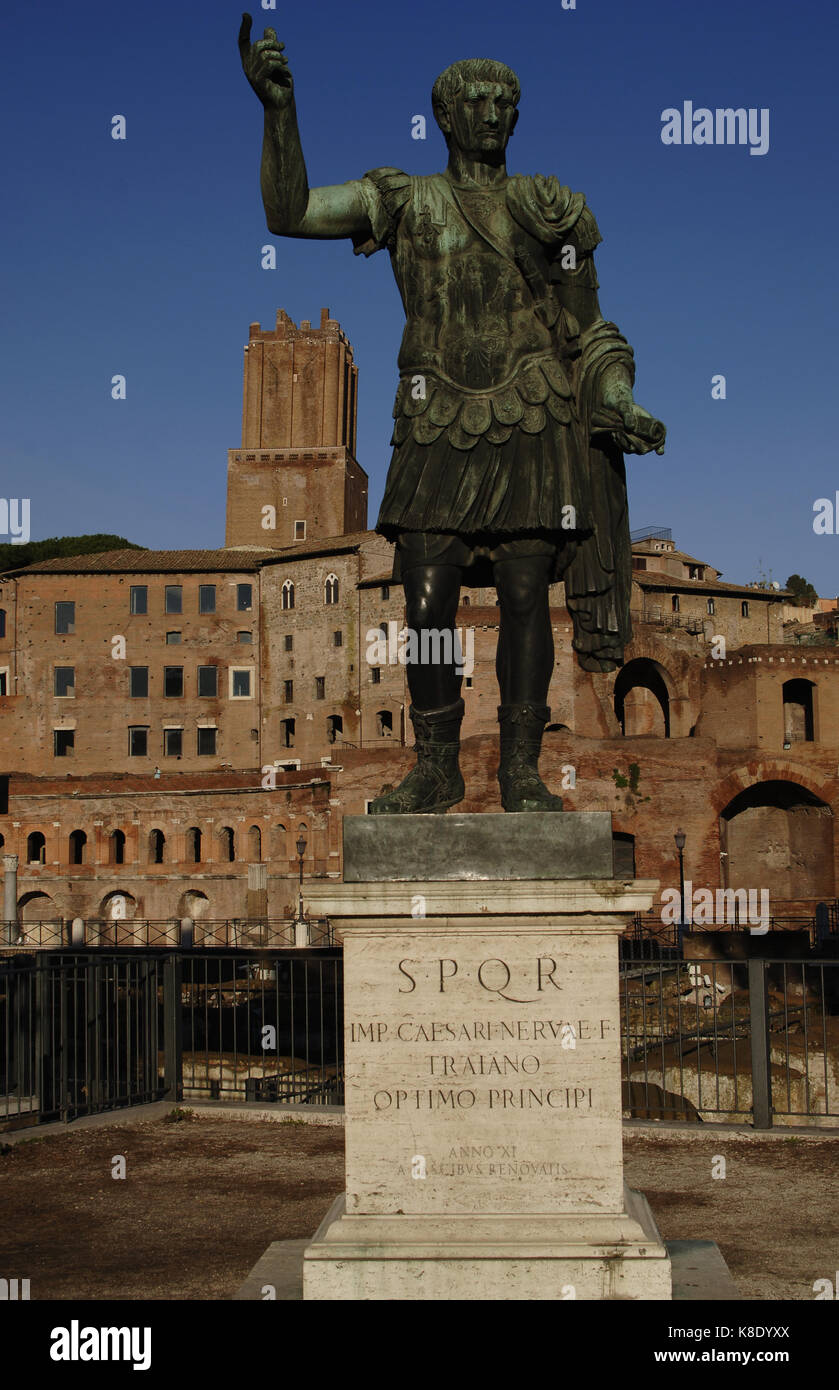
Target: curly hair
<point>449,83</point>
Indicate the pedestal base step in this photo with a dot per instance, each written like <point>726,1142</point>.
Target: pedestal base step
<point>599,1256</point>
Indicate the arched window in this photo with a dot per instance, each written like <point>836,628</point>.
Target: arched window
<point>798,711</point>
<point>384,723</point>
<point>712,607</point>
<point>330,590</point>
<point>78,841</point>
<point>642,700</point>
<point>255,844</point>
<point>227,841</point>
<point>157,845</point>
<point>675,603</point>
<point>116,847</point>
<point>288,594</point>
<point>2,841</point>
<point>334,728</point>
<point>193,845</point>
<point>36,848</point>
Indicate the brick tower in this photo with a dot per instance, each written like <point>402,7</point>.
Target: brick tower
<point>296,477</point>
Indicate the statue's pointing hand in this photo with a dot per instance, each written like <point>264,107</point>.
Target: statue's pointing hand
<point>266,66</point>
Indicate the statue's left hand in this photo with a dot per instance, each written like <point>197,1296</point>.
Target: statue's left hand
<point>633,428</point>
<point>641,432</point>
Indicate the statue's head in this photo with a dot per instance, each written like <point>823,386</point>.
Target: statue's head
<point>474,104</point>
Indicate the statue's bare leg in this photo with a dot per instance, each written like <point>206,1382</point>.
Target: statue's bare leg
<point>435,783</point>
<point>524,663</point>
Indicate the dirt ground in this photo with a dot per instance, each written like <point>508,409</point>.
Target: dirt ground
<point>203,1197</point>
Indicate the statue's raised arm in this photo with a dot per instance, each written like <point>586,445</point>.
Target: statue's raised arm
<point>291,207</point>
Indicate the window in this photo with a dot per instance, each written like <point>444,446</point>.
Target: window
<point>288,692</point>
<point>138,682</point>
<point>466,600</point>
<point>207,743</point>
<point>63,742</point>
<point>139,598</point>
<point>711,607</point>
<point>287,733</point>
<point>338,639</point>
<point>2,622</point>
<point>36,848</point>
<point>384,721</point>
<point>193,843</point>
<point>173,681</point>
<point>174,602</point>
<point>116,847</point>
<point>288,594</point>
<point>299,530</point>
<point>208,681</point>
<point>385,591</point>
<point>334,727</point>
<point>173,639</point>
<point>255,844</point>
<point>157,846</point>
<point>376,675</point>
<point>206,598</point>
<point>173,743</point>
<point>64,681</point>
<point>289,644</point>
<point>744,610</point>
<point>227,841</point>
<point>675,603</point>
<point>138,741</point>
<point>246,637</point>
<point>65,618</point>
<point>468,682</point>
<point>320,687</point>
<point>4,681</point>
<point>244,597</point>
<point>78,841</point>
<point>240,683</point>
<point>331,589</point>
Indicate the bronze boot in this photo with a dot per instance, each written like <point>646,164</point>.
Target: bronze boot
<point>522,789</point>
<point>435,783</point>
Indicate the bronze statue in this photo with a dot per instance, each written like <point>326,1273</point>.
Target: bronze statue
<point>513,411</point>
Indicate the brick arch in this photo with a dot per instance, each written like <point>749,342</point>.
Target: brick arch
<point>772,770</point>
<point>777,838</point>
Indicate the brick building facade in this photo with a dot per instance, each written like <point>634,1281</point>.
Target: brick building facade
<point>171,720</point>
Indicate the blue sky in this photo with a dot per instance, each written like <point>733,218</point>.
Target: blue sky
<point>142,257</point>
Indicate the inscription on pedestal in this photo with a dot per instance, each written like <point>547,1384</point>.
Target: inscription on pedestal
<point>482,1073</point>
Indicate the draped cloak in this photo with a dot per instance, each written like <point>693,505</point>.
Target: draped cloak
<point>497,432</point>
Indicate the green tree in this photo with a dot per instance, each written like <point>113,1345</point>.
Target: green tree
<point>803,593</point>
<point>16,557</point>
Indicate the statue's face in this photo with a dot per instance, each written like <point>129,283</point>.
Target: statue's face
<point>480,119</point>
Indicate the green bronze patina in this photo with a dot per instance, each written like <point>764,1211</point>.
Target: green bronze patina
<point>513,411</point>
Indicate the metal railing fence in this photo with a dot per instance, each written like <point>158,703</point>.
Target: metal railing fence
<point>85,1032</point>
<point>88,1031</point>
<point>233,933</point>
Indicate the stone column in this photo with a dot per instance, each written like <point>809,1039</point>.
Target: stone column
<point>483,1070</point>
<point>10,893</point>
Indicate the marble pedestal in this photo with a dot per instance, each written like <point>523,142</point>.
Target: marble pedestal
<point>483,1082</point>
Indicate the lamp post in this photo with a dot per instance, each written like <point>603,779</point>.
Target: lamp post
<point>680,838</point>
<point>301,926</point>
